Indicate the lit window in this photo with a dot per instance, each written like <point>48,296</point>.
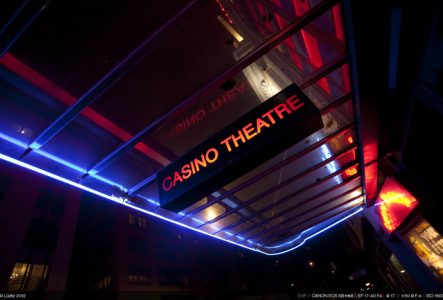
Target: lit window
<point>104,283</point>
<point>137,221</point>
<point>28,277</point>
<point>141,222</point>
<point>138,275</point>
<point>131,220</point>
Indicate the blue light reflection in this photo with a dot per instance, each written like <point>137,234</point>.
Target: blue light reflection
<point>122,201</point>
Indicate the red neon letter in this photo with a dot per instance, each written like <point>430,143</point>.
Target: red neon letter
<point>279,109</point>
<point>239,137</point>
<point>271,118</point>
<point>247,131</point>
<point>215,154</point>
<point>177,177</point>
<point>240,88</point>
<point>226,143</point>
<point>186,171</point>
<point>199,163</point>
<point>164,187</point>
<point>292,101</point>
<point>260,124</point>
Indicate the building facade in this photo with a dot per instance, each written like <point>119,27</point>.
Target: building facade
<point>371,74</point>
<point>39,219</point>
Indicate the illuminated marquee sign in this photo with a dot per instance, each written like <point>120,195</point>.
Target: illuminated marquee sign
<point>270,128</point>
<point>394,204</point>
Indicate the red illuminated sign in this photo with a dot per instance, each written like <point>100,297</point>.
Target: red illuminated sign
<point>394,204</point>
<point>273,126</point>
<point>189,169</point>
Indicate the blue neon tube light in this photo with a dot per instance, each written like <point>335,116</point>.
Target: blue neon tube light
<point>122,201</point>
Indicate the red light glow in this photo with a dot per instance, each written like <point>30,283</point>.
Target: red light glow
<point>351,171</point>
<point>370,154</point>
<point>225,13</point>
<point>311,43</point>
<point>395,203</point>
<point>35,78</point>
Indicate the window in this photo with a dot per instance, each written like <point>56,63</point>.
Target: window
<point>138,246</point>
<point>173,253</point>
<point>51,202</point>
<point>105,226</point>
<point>138,275</point>
<point>439,85</point>
<point>173,277</point>
<point>169,234</point>
<point>137,221</point>
<point>104,283</point>
<point>42,234</point>
<point>28,277</point>
<point>105,249</point>
<point>4,185</point>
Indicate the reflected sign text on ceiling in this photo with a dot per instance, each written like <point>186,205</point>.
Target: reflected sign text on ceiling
<point>273,126</point>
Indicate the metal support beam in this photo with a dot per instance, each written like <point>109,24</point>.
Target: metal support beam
<point>283,184</point>
<point>19,22</point>
<point>394,47</point>
<point>115,74</point>
<point>288,16</point>
<point>283,200</point>
<point>292,208</point>
<point>272,169</point>
<point>347,9</point>
<point>325,70</point>
<point>313,29</point>
<point>142,185</point>
<point>261,50</point>
<point>314,217</point>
